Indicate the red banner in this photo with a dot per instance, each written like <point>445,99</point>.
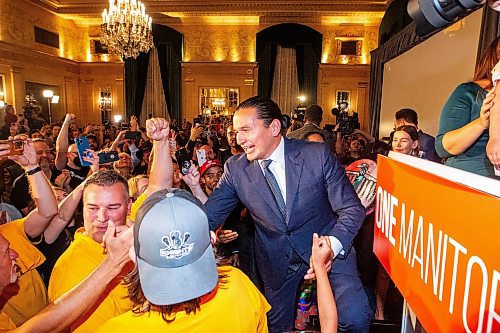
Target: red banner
<point>438,240</point>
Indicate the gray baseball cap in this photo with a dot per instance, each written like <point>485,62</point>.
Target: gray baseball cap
<point>175,258</point>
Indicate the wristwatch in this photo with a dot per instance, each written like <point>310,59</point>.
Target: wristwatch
<point>33,171</point>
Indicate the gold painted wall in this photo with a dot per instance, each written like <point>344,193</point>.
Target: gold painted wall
<point>19,18</point>
<point>219,43</point>
<point>355,79</point>
<point>79,83</point>
<point>196,75</point>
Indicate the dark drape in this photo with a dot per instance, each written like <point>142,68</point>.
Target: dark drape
<point>490,29</point>
<point>267,62</point>
<point>168,43</point>
<point>308,45</point>
<point>307,72</point>
<point>398,44</point>
<point>171,78</point>
<point>136,75</point>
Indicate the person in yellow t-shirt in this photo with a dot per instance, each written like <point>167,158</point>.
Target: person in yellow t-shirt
<point>106,198</point>
<point>58,316</point>
<point>176,285</point>
<point>21,301</point>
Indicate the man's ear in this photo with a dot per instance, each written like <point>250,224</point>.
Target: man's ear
<point>275,127</point>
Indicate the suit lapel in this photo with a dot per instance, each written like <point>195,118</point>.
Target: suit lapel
<point>262,189</point>
<point>293,171</point>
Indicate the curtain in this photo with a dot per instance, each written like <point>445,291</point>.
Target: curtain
<point>168,50</point>
<point>154,103</point>
<point>285,88</point>
<point>266,62</point>
<point>135,81</point>
<point>307,72</point>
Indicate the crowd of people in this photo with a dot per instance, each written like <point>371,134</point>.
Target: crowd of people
<point>222,243</point>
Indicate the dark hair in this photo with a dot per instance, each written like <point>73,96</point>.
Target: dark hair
<point>33,131</point>
<point>267,109</point>
<point>488,61</point>
<point>55,124</point>
<point>409,115</point>
<point>411,130</point>
<point>105,179</point>
<point>141,305</point>
<point>314,114</point>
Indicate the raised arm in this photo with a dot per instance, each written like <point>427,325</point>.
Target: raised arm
<point>68,206</point>
<point>119,139</point>
<point>62,142</point>
<point>161,169</point>
<point>320,258</point>
<point>41,191</point>
<point>456,132</point>
<point>59,315</point>
<point>493,145</point>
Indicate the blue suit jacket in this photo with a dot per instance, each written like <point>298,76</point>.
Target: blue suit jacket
<point>319,199</point>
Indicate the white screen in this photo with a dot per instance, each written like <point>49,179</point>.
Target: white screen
<point>423,77</point>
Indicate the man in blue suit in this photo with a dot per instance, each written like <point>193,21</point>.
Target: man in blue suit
<point>292,189</point>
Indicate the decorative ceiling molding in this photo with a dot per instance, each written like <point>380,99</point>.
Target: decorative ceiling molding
<point>231,7</point>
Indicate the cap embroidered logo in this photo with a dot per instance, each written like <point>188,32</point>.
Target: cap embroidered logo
<point>177,247</point>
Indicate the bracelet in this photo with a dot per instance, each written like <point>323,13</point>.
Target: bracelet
<point>33,171</point>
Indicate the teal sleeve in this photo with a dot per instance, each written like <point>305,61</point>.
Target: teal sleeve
<point>455,114</point>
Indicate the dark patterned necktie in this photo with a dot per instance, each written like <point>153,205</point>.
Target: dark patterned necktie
<point>273,185</point>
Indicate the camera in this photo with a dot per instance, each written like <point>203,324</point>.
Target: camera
<point>16,147</point>
<point>299,113</point>
<point>347,124</point>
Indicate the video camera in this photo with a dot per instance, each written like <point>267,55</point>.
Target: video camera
<point>299,112</point>
<point>347,124</point>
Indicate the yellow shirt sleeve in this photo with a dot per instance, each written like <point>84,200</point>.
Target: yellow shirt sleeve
<point>136,205</point>
<point>75,264</point>
<point>32,295</point>
<point>5,322</point>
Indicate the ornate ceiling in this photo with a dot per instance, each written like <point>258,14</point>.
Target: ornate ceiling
<point>88,12</point>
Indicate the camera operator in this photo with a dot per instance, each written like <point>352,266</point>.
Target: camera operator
<point>313,117</point>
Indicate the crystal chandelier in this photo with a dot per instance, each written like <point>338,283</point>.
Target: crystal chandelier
<point>126,28</point>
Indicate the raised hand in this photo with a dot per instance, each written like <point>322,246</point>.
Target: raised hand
<point>70,117</point>
<point>157,129</point>
<point>92,157</point>
<point>133,123</point>
<point>321,256</point>
<point>226,236</point>
<point>4,149</point>
<point>117,242</point>
<point>192,179</point>
<point>28,159</point>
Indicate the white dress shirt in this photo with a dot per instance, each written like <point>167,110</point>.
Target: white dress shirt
<point>278,168</point>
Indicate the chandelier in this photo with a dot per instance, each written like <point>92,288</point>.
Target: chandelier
<point>126,28</point>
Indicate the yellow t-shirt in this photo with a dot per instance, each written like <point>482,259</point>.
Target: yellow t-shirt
<point>237,307</point>
<point>5,322</point>
<point>74,265</point>
<point>136,205</point>
<point>29,295</point>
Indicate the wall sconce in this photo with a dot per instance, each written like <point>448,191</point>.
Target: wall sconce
<point>2,99</point>
<point>117,118</point>
<point>55,99</point>
<point>301,99</point>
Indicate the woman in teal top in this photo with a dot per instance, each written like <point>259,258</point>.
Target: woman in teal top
<point>463,126</point>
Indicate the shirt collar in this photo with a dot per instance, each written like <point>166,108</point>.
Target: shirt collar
<point>278,155</point>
